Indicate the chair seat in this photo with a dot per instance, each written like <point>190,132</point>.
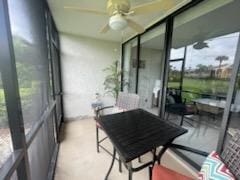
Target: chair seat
<point>113,110</point>
<point>163,173</point>
<point>180,109</point>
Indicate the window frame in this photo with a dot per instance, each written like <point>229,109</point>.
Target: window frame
<point>19,160</point>
<point>167,49</point>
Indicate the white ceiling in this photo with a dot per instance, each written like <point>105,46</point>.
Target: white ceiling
<point>86,24</point>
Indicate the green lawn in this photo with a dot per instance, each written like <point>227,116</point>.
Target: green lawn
<point>202,86</point>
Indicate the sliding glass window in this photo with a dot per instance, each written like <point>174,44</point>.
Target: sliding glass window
<point>130,64</point>
<point>150,69</point>
<point>204,45</point>
<point>234,117</point>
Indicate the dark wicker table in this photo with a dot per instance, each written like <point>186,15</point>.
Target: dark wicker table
<point>134,133</point>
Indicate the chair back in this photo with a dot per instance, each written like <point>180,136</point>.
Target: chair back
<point>231,155</point>
<point>176,95</point>
<point>127,101</point>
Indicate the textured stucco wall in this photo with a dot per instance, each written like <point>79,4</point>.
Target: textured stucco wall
<point>83,60</point>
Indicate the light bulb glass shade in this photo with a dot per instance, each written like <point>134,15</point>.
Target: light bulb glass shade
<point>117,22</point>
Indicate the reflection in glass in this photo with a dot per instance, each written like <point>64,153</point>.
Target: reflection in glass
<point>150,69</point>
<point>130,67</point>
<point>197,92</point>
<point>5,136</point>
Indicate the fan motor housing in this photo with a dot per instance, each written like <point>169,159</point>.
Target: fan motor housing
<point>117,22</point>
<point>118,6</point>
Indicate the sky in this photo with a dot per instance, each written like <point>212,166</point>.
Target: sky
<point>223,45</point>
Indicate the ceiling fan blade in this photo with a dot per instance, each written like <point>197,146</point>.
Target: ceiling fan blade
<point>105,28</point>
<point>156,6</point>
<point>135,26</point>
<point>86,10</point>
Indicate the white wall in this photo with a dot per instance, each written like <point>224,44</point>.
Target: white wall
<point>83,60</point>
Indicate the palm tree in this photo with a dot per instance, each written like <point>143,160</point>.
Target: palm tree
<point>112,83</point>
<point>221,59</point>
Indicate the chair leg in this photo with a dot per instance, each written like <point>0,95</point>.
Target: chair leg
<point>182,118</point>
<point>120,165</point>
<point>139,159</point>
<point>130,173</point>
<point>167,116</point>
<point>150,172</point>
<point>97,138</point>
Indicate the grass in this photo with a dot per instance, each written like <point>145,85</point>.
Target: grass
<point>202,86</point>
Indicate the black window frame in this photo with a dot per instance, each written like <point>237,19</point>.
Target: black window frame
<point>167,49</point>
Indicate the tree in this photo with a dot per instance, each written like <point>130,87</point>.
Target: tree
<point>221,59</point>
<point>202,68</point>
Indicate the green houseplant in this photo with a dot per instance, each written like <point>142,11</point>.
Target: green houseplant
<point>112,82</point>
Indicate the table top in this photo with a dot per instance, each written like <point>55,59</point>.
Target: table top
<point>136,132</point>
<point>217,103</point>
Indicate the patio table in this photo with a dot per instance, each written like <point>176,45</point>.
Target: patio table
<point>217,104</point>
<point>136,132</point>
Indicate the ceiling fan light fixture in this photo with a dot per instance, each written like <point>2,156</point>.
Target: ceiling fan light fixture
<point>118,22</point>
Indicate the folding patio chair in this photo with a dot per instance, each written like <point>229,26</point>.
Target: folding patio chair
<point>125,102</point>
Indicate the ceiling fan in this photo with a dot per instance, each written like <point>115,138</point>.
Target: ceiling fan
<point>119,12</point>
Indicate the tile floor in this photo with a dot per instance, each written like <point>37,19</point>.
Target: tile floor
<point>79,160</point>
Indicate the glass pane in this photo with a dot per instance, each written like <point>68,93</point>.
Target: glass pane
<point>30,48</point>
<point>177,53</point>
<point>5,136</point>
<point>130,66</point>
<point>210,34</point>
<point>150,69</point>
<point>175,74</point>
<point>234,119</point>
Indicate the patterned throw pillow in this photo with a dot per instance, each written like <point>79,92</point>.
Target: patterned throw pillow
<point>214,169</point>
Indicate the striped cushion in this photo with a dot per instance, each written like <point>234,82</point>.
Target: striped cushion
<point>214,169</point>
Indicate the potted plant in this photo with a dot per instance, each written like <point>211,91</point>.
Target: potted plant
<point>112,83</point>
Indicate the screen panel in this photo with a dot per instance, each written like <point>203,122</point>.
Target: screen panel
<point>30,49</point>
